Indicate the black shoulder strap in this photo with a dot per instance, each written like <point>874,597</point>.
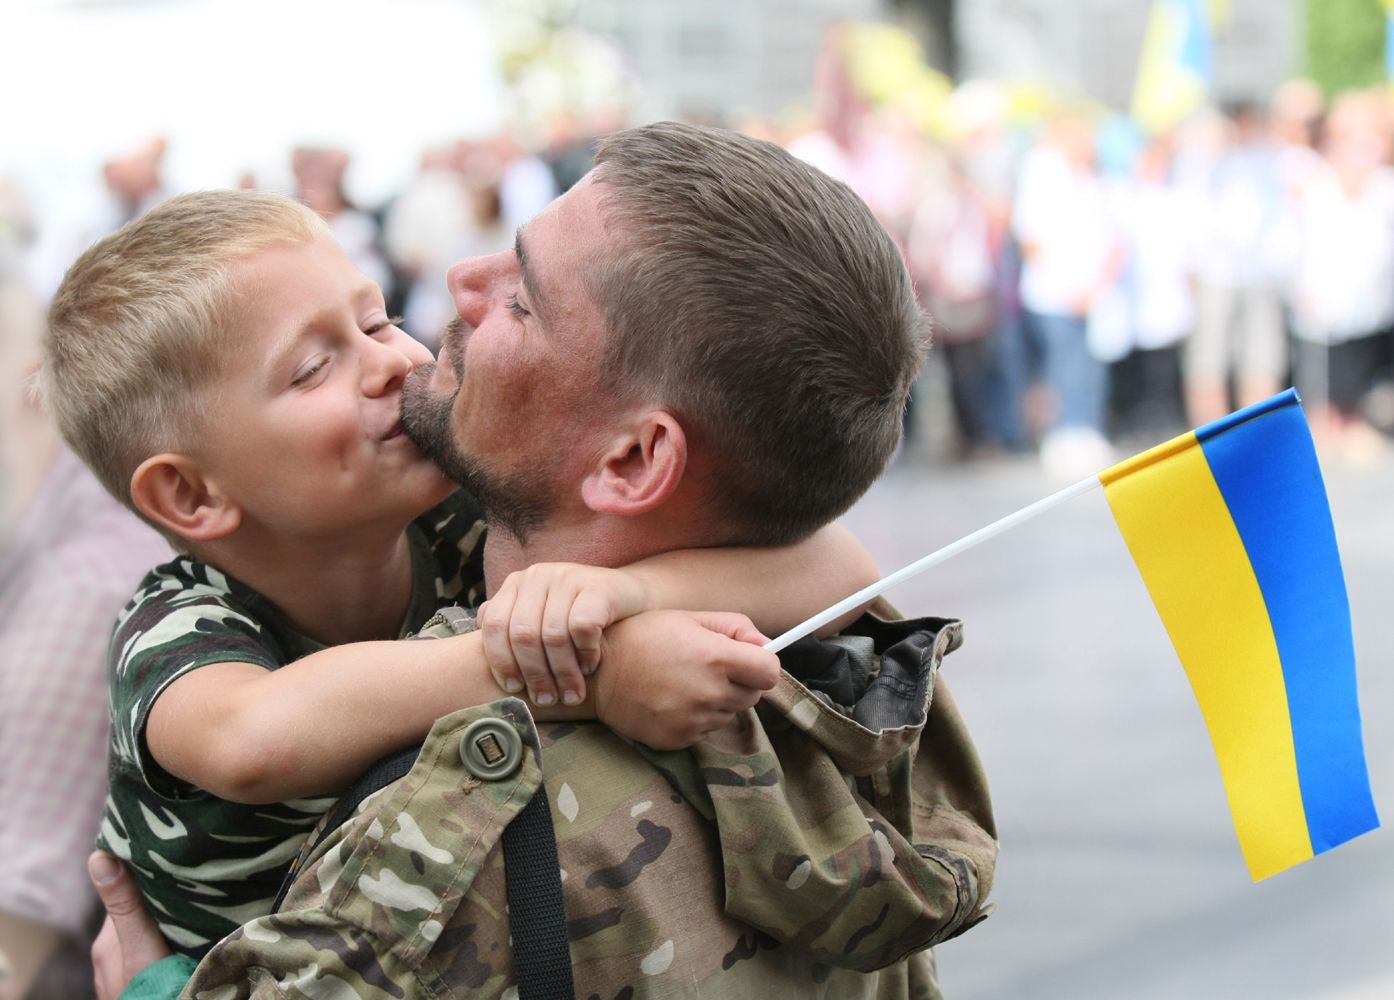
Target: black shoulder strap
<point>536,914</point>
<point>380,775</point>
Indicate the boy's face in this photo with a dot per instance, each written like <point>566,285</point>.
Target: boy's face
<point>305,431</point>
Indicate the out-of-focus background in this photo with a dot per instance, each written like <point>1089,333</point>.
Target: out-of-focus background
<point>1125,217</point>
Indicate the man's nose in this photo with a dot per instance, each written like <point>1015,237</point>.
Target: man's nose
<point>476,282</point>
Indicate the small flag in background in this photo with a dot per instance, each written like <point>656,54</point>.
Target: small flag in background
<point>1174,70</point>
<point>1389,39</point>
<point>1230,529</point>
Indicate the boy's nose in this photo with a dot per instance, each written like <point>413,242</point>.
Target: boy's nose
<point>387,368</point>
<point>475,283</point>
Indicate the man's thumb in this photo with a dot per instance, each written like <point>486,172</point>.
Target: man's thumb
<point>113,884</point>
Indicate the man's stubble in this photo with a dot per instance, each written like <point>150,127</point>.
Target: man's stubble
<point>517,504</point>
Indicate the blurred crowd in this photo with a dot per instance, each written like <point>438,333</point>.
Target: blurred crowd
<point>1093,290</point>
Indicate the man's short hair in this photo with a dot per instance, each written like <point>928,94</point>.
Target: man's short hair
<point>143,323</point>
<point>760,300</point>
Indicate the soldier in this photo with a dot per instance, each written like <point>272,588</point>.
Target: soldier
<point>705,342</point>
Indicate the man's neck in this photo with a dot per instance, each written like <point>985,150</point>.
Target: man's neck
<point>598,541</point>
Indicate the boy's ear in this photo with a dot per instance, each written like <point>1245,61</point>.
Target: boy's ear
<point>640,469</point>
<point>172,491</point>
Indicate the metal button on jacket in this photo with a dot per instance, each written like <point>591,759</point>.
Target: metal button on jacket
<point>491,749</point>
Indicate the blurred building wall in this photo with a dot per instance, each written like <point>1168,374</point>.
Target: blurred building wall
<point>722,60</point>
<point>726,59</point>
<point>1090,47</point>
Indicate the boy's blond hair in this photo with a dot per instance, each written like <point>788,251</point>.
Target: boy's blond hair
<point>144,321</point>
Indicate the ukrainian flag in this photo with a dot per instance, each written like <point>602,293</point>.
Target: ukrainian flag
<point>1174,68</point>
<point>1230,528</point>
<point>1389,39</point>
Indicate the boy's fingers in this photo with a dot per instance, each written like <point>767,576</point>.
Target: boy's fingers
<point>525,629</point>
<point>752,668</point>
<point>558,643</point>
<point>494,617</point>
<point>590,614</point>
<point>732,625</point>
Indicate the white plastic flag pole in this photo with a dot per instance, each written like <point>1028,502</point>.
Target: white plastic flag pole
<point>933,559</point>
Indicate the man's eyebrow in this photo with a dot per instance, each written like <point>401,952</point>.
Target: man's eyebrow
<point>537,303</point>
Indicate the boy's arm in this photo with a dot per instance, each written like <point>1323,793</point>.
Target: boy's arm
<point>542,628</point>
<point>776,586</point>
<point>248,734</point>
<point>251,735</point>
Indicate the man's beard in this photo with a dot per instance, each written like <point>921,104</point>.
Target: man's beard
<point>516,504</point>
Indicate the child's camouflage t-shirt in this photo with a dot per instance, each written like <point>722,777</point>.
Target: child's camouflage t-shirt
<point>206,865</point>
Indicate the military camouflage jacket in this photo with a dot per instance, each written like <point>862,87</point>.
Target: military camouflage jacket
<point>815,849</point>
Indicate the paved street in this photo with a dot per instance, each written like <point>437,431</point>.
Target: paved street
<point>1120,876</point>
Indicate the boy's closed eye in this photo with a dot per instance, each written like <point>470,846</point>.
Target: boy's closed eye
<point>374,329</point>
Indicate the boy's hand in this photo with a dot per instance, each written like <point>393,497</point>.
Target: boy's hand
<point>543,627</point>
<point>671,677</point>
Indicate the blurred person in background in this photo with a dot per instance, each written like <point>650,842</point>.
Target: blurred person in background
<point>951,253</point>
<point>1157,221</point>
<point>1239,341</point>
<point>69,558</point>
<point>319,183</point>
<point>1070,255</point>
<point>135,182</point>
<point>1294,119</point>
<point>1342,293</point>
<point>132,183</point>
<point>568,152</point>
<point>988,151</point>
<point>451,209</point>
<point>423,229</point>
<point>526,185</point>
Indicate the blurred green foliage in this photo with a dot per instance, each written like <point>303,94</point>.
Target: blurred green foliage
<point>1345,43</point>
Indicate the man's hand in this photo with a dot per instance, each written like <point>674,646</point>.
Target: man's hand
<point>542,628</point>
<point>671,677</point>
<point>129,940</point>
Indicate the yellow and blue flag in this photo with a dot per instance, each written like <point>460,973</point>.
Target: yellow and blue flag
<point>1230,528</point>
<point>1174,68</point>
<point>1389,39</point>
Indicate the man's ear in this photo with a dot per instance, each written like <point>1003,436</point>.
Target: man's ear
<point>640,469</point>
<point>172,491</point>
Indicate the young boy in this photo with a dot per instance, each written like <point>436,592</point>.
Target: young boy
<point>232,378</point>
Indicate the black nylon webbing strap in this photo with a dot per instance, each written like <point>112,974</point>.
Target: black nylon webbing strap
<point>536,913</point>
<point>380,775</point>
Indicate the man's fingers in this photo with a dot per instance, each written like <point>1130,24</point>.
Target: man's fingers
<point>135,941</point>
<point>115,887</point>
<point>106,963</point>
